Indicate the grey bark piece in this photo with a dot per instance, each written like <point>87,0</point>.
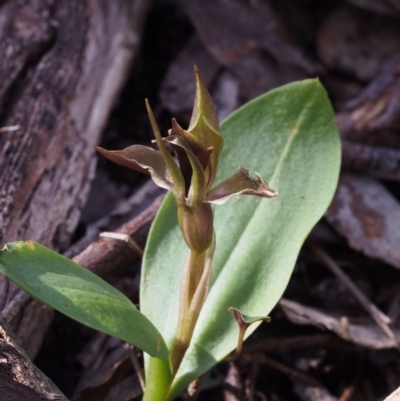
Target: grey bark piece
<point>60,98</point>
<point>63,65</point>
<point>368,216</point>
<point>20,379</point>
<point>309,393</point>
<point>366,334</point>
<point>359,43</point>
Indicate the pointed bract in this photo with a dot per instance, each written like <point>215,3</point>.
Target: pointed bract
<point>204,126</point>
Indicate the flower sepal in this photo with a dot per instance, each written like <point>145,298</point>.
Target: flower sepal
<point>240,183</point>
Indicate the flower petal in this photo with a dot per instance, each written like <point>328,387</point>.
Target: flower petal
<point>143,159</point>
<point>240,183</point>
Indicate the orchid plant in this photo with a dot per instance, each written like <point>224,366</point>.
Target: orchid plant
<point>184,326</point>
<point>191,182</point>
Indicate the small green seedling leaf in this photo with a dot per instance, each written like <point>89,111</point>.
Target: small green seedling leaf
<point>289,136</point>
<point>62,284</point>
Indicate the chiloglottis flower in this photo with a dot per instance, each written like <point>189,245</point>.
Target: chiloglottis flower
<point>191,177</point>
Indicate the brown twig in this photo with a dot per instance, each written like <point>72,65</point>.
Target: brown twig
<point>312,393</point>
<point>393,396</point>
<point>349,390</point>
<point>13,307</point>
<point>123,237</point>
<point>233,386</point>
<point>107,255</point>
<point>10,128</point>
<point>296,374</point>
<point>380,318</point>
<point>136,366</point>
<point>19,374</point>
<point>193,390</point>
<point>126,210</point>
<point>291,343</point>
<point>262,396</point>
<point>251,380</point>
<point>368,392</point>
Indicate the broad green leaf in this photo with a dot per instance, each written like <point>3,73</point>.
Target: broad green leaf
<point>289,137</point>
<point>62,284</point>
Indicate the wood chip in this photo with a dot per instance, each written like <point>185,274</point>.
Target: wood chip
<point>395,396</point>
<point>358,43</point>
<point>380,318</point>
<point>368,216</point>
<point>368,335</point>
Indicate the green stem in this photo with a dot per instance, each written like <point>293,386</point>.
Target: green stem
<point>191,274</point>
<point>194,288</point>
<point>158,380</point>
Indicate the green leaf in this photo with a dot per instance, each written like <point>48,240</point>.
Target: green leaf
<point>290,137</point>
<point>62,284</point>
